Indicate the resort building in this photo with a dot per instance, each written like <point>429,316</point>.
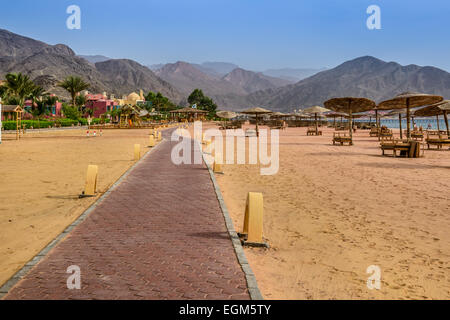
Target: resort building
<point>55,110</point>
<point>100,104</point>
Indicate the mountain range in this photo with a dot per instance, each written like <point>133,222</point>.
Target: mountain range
<point>361,77</point>
<point>229,85</point>
<point>48,64</point>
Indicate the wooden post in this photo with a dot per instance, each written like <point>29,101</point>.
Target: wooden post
<point>437,120</point>
<point>137,152</point>
<point>253,220</point>
<point>350,119</point>
<point>408,119</point>
<point>317,126</point>
<point>446,123</point>
<point>217,166</point>
<point>400,123</point>
<point>91,181</point>
<point>151,142</point>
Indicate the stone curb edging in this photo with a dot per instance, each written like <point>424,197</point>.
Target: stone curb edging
<point>255,293</point>
<point>8,285</point>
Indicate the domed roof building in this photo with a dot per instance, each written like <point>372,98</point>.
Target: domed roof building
<point>132,98</point>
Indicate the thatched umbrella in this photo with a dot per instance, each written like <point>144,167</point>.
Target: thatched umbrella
<point>278,115</point>
<point>226,114</point>
<point>409,100</point>
<point>316,110</point>
<point>256,112</point>
<point>350,105</point>
<point>437,109</point>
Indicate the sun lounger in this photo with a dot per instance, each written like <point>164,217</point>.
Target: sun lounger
<point>341,138</point>
<point>410,149</point>
<point>384,132</point>
<point>417,135</point>
<point>374,132</point>
<point>437,140</point>
<point>312,132</point>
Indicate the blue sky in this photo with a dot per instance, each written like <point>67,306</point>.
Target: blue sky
<point>255,34</point>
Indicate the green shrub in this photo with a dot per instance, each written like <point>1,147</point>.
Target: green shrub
<point>36,124</point>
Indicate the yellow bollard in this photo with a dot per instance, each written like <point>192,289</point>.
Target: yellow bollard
<point>253,221</point>
<point>159,136</point>
<point>217,167</point>
<point>151,142</point>
<point>203,138</point>
<point>137,152</point>
<point>207,147</point>
<point>91,182</point>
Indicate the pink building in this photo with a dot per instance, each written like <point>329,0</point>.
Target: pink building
<point>55,111</point>
<point>100,104</point>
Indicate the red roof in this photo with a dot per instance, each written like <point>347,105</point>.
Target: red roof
<point>95,96</point>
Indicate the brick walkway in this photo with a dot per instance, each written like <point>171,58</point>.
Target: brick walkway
<point>159,235</point>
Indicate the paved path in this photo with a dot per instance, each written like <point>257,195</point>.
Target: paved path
<point>159,235</point>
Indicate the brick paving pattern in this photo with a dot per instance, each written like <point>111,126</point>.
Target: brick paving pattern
<point>159,235</point>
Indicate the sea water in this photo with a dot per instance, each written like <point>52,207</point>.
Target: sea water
<point>394,123</point>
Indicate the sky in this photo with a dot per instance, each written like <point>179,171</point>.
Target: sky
<point>254,34</point>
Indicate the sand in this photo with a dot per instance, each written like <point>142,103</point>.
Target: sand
<point>41,177</point>
<point>333,211</point>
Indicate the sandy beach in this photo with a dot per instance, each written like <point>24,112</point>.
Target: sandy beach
<point>41,178</point>
<point>332,211</point>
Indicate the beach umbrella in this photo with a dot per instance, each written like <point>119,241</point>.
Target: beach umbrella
<point>436,109</point>
<point>409,100</point>
<point>256,112</point>
<point>316,110</point>
<point>278,115</point>
<point>350,105</point>
<point>226,114</point>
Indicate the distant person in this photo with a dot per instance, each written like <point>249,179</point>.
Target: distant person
<point>429,126</point>
<point>415,126</point>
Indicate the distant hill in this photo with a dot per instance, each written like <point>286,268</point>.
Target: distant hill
<point>362,77</point>
<point>291,74</point>
<point>221,68</point>
<point>227,90</point>
<point>252,81</point>
<point>48,64</point>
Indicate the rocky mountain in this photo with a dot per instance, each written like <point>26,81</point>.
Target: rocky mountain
<point>14,45</point>
<point>362,77</point>
<point>186,78</point>
<point>227,90</point>
<point>126,75</point>
<point>48,64</point>
<point>251,81</point>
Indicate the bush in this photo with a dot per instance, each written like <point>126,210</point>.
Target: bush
<point>71,112</point>
<point>36,124</point>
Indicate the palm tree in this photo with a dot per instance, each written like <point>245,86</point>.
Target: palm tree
<point>18,87</point>
<point>74,85</point>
